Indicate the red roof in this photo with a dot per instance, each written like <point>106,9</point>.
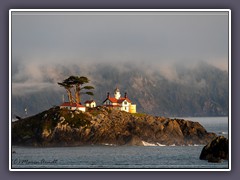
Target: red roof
<point>120,100</point>
<point>113,99</point>
<point>71,104</point>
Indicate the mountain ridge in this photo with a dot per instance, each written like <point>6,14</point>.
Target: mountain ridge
<point>201,90</point>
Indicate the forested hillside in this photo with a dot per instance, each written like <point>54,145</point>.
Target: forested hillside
<point>200,90</point>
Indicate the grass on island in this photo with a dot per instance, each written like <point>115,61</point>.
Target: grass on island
<point>139,114</point>
<point>75,119</point>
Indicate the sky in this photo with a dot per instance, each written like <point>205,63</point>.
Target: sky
<point>159,39</point>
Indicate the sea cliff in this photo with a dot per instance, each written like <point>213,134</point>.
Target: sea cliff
<point>99,126</point>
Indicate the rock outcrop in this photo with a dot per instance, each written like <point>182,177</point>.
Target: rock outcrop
<point>58,127</point>
<point>216,150</point>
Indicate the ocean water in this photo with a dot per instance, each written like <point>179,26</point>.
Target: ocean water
<point>121,157</point>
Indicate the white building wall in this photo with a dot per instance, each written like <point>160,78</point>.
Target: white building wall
<point>73,108</point>
<point>81,109</point>
<point>93,104</point>
<point>125,106</point>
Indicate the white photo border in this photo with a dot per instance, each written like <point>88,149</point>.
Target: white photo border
<point>11,11</point>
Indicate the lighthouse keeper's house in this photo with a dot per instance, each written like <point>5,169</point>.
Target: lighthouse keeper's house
<point>119,103</point>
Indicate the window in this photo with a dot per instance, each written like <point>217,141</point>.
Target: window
<point>125,102</point>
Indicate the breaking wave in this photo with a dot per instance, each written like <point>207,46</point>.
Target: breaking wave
<point>148,144</point>
<point>223,132</point>
<point>152,144</point>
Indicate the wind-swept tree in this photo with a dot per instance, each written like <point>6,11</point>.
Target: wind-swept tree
<point>68,89</point>
<point>80,89</point>
<point>78,83</point>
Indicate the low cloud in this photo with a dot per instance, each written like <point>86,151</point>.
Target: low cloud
<point>25,88</point>
<point>36,77</point>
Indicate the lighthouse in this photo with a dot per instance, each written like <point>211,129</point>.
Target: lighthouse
<point>117,93</point>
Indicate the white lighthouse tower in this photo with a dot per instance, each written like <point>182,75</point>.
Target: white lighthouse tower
<point>117,94</point>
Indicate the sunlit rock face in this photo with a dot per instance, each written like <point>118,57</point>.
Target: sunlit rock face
<point>100,125</point>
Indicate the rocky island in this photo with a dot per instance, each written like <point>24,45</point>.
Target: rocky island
<point>115,122</point>
<point>101,125</point>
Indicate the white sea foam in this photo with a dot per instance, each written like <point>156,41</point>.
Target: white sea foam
<point>223,133</point>
<point>13,120</point>
<point>106,144</point>
<point>152,144</point>
<point>193,145</point>
<point>148,144</point>
<point>161,144</point>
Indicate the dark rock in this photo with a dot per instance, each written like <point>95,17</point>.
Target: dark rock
<point>215,151</point>
<point>135,141</point>
<point>104,126</point>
